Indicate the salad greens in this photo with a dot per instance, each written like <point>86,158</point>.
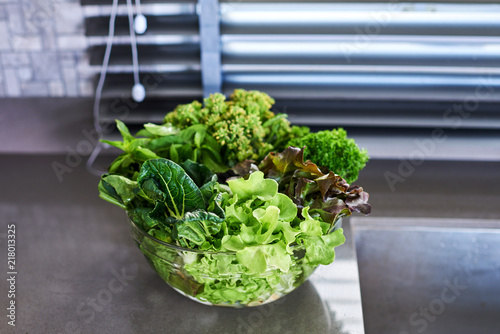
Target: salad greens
<point>257,222</point>
<point>167,185</point>
<point>333,151</point>
<point>329,196</point>
<point>165,141</point>
<point>258,227</point>
<point>244,125</point>
<point>261,227</point>
<point>166,202</point>
<point>263,224</point>
<point>254,229</point>
<point>218,135</point>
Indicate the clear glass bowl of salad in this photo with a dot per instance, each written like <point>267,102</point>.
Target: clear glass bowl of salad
<point>217,278</point>
<point>223,216</point>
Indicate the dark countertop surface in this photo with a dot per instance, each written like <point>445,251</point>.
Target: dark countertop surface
<point>78,270</point>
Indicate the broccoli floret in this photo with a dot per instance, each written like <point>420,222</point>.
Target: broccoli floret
<point>333,150</point>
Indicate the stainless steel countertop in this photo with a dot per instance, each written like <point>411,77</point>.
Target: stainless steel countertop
<point>71,246</point>
<point>78,270</point>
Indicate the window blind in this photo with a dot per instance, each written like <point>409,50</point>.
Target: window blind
<point>168,54</point>
<point>371,64</point>
<point>388,72</point>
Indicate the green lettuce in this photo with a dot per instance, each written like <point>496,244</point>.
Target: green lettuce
<point>274,250</point>
<point>319,244</point>
<point>262,226</point>
<point>219,283</point>
<point>251,227</point>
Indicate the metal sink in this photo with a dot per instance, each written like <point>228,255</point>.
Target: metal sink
<point>429,275</point>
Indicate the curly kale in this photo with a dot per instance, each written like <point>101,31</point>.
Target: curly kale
<point>334,151</point>
<point>244,126</point>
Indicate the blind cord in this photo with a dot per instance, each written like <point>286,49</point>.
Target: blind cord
<point>140,22</point>
<point>98,93</point>
<point>138,91</point>
<point>138,9</point>
<point>138,25</point>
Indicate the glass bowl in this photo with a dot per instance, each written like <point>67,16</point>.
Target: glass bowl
<point>217,278</point>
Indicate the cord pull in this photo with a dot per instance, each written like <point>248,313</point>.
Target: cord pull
<point>140,24</point>
<point>138,92</point>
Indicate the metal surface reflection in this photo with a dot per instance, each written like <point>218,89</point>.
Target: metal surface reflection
<point>301,311</point>
<point>338,287</point>
<point>429,276</point>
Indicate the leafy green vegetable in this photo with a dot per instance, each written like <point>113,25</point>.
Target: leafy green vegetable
<point>152,130</point>
<point>165,182</point>
<point>255,230</point>
<point>135,152</point>
<point>191,143</point>
<point>334,151</point>
<point>141,217</point>
<point>199,173</point>
<point>165,141</point>
<point>190,215</point>
<point>328,195</point>
<point>274,250</point>
<point>167,203</point>
<point>199,227</point>
<point>218,282</point>
<point>272,239</point>
<point>265,190</point>
<point>219,135</point>
<point>319,246</point>
<point>263,225</point>
<point>243,126</point>
<point>117,190</point>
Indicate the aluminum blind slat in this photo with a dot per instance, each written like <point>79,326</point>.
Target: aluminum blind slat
<point>369,86</point>
<point>370,53</point>
<point>456,51</point>
<point>178,54</point>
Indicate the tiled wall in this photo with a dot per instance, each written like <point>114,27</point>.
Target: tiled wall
<point>42,49</point>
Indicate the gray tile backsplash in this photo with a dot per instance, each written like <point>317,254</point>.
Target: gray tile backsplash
<point>43,49</point>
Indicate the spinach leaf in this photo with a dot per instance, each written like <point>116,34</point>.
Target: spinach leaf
<point>117,190</point>
<point>166,183</point>
<point>160,130</point>
<point>141,217</point>
<point>199,173</point>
